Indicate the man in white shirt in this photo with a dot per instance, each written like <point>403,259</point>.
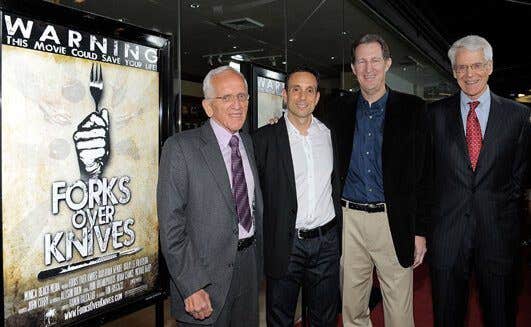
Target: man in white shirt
<point>302,215</point>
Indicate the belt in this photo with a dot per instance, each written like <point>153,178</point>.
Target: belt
<point>244,243</point>
<point>314,232</point>
<point>367,207</point>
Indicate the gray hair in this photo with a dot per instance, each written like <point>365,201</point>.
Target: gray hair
<point>471,43</point>
<point>208,89</point>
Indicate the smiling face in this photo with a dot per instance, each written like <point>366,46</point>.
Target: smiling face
<point>230,115</point>
<point>302,95</point>
<point>473,82</point>
<point>370,68</point>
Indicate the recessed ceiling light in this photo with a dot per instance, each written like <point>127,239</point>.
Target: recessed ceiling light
<point>521,95</point>
<point>194,5</point>
<point>332,58</point>
<point>235,47</point>
<point>283,62</point>
<point>344,32</point>
<point>291,40</point>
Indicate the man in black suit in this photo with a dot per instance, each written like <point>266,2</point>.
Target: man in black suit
<point>384,163</point>
<point>301,208</point>
<point>481,158</point>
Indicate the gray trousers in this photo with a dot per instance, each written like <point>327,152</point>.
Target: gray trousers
<point>241,305</point>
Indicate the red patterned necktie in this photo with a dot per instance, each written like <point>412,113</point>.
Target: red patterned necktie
<point>239,185</point>
<point>474,139</point>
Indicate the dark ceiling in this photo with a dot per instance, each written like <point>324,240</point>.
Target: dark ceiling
<point>317,26</point>
<point>504,23</point>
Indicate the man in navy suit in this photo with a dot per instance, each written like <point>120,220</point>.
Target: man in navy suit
<point>481,157</point>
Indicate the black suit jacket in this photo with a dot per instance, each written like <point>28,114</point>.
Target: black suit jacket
<point>277,180</point>
<point>406,163</point>
<point>483,204</point>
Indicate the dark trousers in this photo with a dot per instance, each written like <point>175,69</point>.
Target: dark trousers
<point>241,305</point>
<point>450,289</point>
<point>314,266</point>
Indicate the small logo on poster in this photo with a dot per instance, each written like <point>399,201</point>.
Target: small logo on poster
<point>50,317</point>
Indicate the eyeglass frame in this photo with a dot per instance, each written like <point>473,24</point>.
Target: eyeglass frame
<point>475,67</point>
<point>231,98</point>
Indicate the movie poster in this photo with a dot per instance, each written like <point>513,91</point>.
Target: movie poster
<point>80,133</point>
<point>269,100</point>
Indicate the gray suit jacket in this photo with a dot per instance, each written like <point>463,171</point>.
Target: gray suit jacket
<point>198,220</point>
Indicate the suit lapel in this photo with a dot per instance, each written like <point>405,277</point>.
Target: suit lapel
<point>215,163</point>
<point>247,143</point>
<point>492,129</point>
<point>285,152</point>
<point>456,128</point>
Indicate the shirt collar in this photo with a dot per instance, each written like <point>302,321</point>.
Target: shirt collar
<point>315,125</point>
<point>222,135</point>
<point>378,104</point>
<point>483,99</point>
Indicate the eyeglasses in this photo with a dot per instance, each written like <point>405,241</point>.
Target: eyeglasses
<point>461,69</point>
<point>372,61</point>
<point>230,98</point>
<point>299,90</point>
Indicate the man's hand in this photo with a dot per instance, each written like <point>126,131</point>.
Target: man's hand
<point>420,250</point>
<point>273,120</point>
<point>93,144</point>
<point>198,305</point>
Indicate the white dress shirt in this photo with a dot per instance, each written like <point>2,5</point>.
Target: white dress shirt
<point>312,167</point>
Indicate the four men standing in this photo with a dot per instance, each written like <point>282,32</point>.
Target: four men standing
<point>454,174</point>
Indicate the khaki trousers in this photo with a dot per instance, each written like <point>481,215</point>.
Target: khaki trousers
<point>367,243</point>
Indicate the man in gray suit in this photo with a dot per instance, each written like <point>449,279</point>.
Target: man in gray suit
<point>210,212</point>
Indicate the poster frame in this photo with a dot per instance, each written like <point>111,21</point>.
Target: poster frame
<point>100,25</point>
<point>252,72</point>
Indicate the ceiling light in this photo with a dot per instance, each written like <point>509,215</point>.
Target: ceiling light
<point>235,47</point>
<point>237,57</point>
<point>521,95</point>
<point>283,62</point>
<point>332,58</point>
<point>194,5</point>
<point>291,40</point>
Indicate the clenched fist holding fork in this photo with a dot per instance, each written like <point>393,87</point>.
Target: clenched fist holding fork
<point>92,135</point>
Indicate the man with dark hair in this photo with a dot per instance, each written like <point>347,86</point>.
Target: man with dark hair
<point>302,214</point>
<point>480,166</point>
<point>384,165</point>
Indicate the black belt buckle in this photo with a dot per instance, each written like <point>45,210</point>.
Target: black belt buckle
<point>367,207</point>
<point>244,243</point>
<point>375,207</point>
<point>304,234</point>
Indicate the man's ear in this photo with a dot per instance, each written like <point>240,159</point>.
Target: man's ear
<point>285,95</point>
<point>207,107</point>
<point>388,64</point>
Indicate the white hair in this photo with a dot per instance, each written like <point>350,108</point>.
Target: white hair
<point>471,43</point>
<point>208,89</point>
